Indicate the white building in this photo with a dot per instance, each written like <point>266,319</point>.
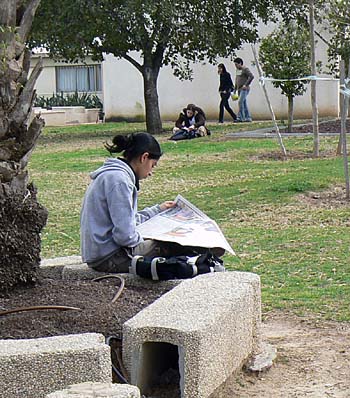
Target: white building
<point>120,86</point>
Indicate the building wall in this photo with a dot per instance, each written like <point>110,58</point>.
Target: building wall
<point>122,93</point>
<point>46,83</point>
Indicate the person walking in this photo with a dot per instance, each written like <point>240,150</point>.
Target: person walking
<point>242,85</point>
<point>225,89</point>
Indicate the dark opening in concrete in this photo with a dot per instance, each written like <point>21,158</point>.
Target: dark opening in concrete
<point>159,369</point>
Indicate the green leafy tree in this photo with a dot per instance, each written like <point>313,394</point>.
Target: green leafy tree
<point>339,28</point>
<point>149,34</point>
<point>285,54</point>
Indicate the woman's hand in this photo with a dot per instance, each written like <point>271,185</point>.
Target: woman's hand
<point>167,205</point>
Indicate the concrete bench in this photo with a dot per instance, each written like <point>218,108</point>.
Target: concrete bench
<point>207,326</point>
<point>33,368</point>
<point>97,390</point>
<point>73,270</point>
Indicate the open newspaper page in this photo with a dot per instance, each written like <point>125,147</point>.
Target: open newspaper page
<point>186,225</point>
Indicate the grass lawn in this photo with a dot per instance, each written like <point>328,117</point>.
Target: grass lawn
<point>300,252</point>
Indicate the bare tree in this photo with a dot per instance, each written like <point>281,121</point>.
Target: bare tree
<point>313,82</point>
<point>21,217</point>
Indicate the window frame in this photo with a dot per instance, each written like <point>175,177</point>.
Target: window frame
<point>96,86</point>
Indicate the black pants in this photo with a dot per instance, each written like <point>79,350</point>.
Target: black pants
<point>224,104</point>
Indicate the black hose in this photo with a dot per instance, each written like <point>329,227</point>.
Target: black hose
<point>119,373</point>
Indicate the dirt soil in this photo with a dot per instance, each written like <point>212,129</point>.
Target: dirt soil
<point>313,360</point>
<point>331,126</point>
<point>95,312</point>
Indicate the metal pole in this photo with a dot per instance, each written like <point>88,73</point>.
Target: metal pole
<point>313,82</point>
<point>269,104</point>
<point>345,104</point>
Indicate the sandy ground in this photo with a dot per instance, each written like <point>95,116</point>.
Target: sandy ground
<point>313,361</point>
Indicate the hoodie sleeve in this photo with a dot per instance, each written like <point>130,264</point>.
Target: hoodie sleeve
<point>121,209</point>
<point>147,213</point>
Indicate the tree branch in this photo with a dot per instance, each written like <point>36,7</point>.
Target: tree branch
<point>133,62</point>
<point>25,67</point>
<point>8,170</point>
<point>29,141</point>
<point>8,13</point>
<point>322,38</point>
<point>158,56</point>
<point>24,103</point>
<point>27,19</point>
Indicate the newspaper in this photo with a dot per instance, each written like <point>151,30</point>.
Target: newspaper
<point>184,224</point>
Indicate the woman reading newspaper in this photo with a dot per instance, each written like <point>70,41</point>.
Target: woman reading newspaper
<point>109,213</point>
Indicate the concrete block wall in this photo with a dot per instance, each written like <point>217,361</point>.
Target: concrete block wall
<point>97,390</point>
<point>211,321</point>
<point>33,368</point>
<point>209,326</point>
<point>61,116</point>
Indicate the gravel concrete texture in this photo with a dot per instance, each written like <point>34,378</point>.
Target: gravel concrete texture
<point>57,261</point>
<point>81,271</point>
<point>57,264</point>
<point>97,390</point>
<point>212,320</point>
<point>32,368</point>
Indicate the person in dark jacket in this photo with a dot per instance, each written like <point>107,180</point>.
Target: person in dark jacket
<point>192,119</point>
<point>225,89</point>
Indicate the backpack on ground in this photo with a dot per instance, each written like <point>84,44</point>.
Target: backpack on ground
<point>176,267</point>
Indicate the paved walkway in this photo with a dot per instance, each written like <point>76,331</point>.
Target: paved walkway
<point>268,133</point>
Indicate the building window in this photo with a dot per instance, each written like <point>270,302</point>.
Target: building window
<point>78,78</point>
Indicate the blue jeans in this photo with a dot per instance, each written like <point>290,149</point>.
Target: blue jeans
<point>243,114</point>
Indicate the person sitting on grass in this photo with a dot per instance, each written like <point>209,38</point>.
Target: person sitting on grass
<point>191,121</point>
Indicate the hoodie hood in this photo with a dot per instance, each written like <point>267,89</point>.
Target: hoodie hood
<point>113,164</point>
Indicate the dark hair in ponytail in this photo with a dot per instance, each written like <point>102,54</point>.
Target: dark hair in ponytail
<point>134,145</point>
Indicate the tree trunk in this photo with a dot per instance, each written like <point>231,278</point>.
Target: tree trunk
<point>21,216</point>
<point>153,120</point>
<point>341,103</point>
<point>313,82</point>
<point>290,113</point>
<point>345,104</point>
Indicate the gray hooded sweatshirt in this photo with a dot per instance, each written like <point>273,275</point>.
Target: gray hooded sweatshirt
<point>109,213</point>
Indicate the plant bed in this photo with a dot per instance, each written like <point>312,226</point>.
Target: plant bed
<point>96,314</point>
<point>328,126</point>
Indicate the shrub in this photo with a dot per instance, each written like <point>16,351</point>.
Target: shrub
<point>89,101</point>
